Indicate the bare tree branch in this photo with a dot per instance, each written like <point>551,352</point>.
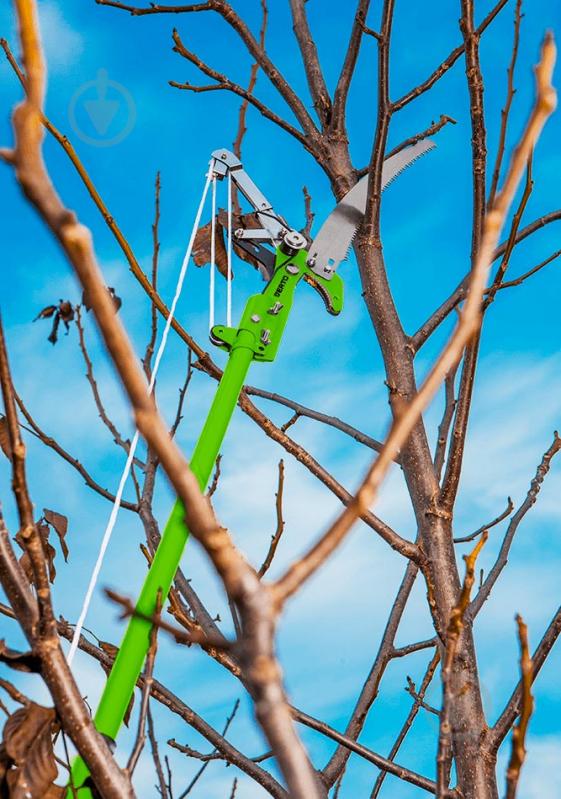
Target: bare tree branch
<point>449,62</point>
<point>408,723</point>
<point>486,527</point>
<point>510,92</point>
<point>529,501</point>
<point>513,707</point>
<point>276,537</point>
<point>50,442</point>
<point>148,679</point>
<point>310,60</point>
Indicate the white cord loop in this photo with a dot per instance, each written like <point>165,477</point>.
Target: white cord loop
<point>126,471</point>
<point>212,273</point>
<point>229,275</point>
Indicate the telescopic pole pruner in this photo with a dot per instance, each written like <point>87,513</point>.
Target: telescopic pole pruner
<point>257,338</point>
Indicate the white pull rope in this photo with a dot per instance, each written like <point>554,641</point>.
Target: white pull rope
<point>211,289</point>
<point>126,471</point>
<point>229,275</point>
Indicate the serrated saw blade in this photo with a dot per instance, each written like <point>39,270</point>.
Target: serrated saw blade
<point>335,236</point>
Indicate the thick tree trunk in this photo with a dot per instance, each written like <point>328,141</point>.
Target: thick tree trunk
<point>476,775</point>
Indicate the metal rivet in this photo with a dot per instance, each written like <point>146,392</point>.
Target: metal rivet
<point>292,269</point>
<point>255,318</point>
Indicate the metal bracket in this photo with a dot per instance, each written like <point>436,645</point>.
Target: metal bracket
<point>265,316</point>
<point>274,226</point>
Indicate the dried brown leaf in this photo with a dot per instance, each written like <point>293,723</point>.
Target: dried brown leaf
<point>5,444</point>
<point>66,311</point>
<point>63,312</point>
<point>201,248</point>
<point>46,313</point>
<point>28,762</point>
<point>109,649</point>
<point>116,300</point>
<point>48,549</point>
<point>59,523</point>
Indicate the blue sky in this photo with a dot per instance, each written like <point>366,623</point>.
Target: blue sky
<point>331,631</point>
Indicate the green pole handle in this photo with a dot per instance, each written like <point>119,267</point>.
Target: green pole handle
<point>257,338</point>
<point>136,641</point>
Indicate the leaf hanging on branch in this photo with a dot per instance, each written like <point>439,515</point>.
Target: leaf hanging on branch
<point>50,552</point>
<point>202,247</point>
<point>63,312</point>
<point>59,523</point>
<point>203,238</point>
<point>117,301</point>
<point>27,762</point>
<point>5,444</point>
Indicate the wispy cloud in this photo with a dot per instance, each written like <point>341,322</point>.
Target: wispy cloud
<point>63,43</point>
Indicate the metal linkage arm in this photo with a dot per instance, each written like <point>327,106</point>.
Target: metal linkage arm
<point>274,226</point>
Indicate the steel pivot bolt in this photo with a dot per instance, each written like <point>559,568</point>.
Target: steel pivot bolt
<point>292,242</point>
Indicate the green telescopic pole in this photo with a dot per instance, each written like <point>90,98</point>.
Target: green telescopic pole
<point>257,338</point>
<point>136,641</point>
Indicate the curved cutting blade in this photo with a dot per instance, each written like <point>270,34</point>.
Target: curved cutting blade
<point>335,236</point>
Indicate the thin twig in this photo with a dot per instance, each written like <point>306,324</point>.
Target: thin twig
<point>103,415</point>
<point>518,754</point>
<point>208,759</point>
<point>276,537</point>
<point>196,636</point>
<point>242,128</point>
<point>148,679</point>
<point>147,360</point>
<point>50,442</point>
<point>303,411</point>
<point>526,505</point>
<point>183,393</point>
<point>512,708</point>
<point>408,723</point>
<point>215,478</point>
<point>484,528</point>
<point>510,92</point>
<point>162,786</point>
<point>446,421</point>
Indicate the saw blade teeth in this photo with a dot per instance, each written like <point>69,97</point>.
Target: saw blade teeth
<point>413,160</point>
<point>335,238</point>
<point>350,244</point>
